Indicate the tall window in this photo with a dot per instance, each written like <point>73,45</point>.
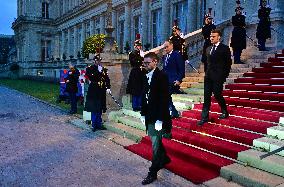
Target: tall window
<point>97,26</point>
<point>87,30</point>
<point>44,9</point>
<point>45,50</point>
<point>181,15</point>
<point>137,25</point>
<point>121,35</point>
<point>157,27</point>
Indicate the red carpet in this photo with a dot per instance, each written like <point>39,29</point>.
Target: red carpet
<point>257,107</point>
<point>254,95</point>
<point>260,81</point>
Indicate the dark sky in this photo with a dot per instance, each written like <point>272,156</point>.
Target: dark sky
<point>8,11</point>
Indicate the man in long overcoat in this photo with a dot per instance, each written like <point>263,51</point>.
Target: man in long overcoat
<point>263,31</point>
<point>238,39</point>
<point>96,95</point>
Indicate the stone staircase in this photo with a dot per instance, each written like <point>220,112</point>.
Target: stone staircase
<point>249,169</point>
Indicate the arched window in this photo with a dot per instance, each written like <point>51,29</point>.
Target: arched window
<point>44,9</point>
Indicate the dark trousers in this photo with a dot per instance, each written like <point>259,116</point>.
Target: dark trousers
<point>96,118</point>
<point>73,101</point>
<point>237,56</point>
<point>159,153</point>
<point>261,43</point>
<point>136,102</point>
<point>210,87</point>
<point>173,89</point>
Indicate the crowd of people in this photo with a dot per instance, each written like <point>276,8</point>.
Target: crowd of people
<point>151,88</point>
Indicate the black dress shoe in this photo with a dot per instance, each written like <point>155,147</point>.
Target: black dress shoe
<point>149,179</point>
<point>224,115</point>
<point>202,121</point>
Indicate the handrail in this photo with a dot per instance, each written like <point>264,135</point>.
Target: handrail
<point>271,153</point>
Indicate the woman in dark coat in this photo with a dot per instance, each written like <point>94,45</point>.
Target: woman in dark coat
<point>238,40</point>
<point>263,31</point>
<point>96,95</point>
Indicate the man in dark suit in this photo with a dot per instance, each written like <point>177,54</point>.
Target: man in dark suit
<point>219,66</point>
<point>174,67</point>
<point>155,113</point>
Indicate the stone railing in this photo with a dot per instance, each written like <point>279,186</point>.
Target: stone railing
<point>194,42</point>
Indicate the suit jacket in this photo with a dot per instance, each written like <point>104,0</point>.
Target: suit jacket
<point>219,63</point>
<point>156,105</point>
<point>174,67</point>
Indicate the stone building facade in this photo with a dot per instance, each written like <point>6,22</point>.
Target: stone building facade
<point>51,28</point>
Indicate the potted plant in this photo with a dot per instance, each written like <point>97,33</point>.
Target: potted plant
<point>79,54</point>
<point>93,44</point>
<point>64,56</point>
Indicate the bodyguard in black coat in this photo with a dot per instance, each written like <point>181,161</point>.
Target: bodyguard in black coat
<point>96,95</point>
<point>263,31</point>
<point>155,114</point>
<point>134,86</point>
<point>219,66</point>
<point>206,31</point>
<point>238,39</point>
<point>72,87</point>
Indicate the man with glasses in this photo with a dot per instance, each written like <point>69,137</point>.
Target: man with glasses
<point>155,114</point>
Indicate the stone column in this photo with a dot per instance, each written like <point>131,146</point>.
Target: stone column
<point>92,26</point>
<point>62,42</point>
<point>114,22</point>
<point>56,46</point>
<point>165,19</point>
<point>83,33</point>
<point>102,24</point>
<point>145,21</point>
<point>192,20</point>
<point>127,24</point>
<point>75,41</point>
<point>69,52</point>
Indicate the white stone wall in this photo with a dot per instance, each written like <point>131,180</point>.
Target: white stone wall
<point>67,26</point>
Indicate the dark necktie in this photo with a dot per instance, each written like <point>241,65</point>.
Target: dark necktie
<point>213,50</point>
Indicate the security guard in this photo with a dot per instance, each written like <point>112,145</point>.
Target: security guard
<point>263,31</point>
<point>96,95</point>
<point>206,31</point>
<point>134,86</point>
<point>238,39</point>
<point>178,41</point>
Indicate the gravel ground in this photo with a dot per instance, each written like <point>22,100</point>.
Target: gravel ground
<point>38,147</point>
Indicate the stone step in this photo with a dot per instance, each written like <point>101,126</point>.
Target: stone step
<point>127,112</point>
<point>131,121</point>
<point>220,182</point>
<point>235,75</point>
<point>193,91</point>
<point>269,144</point>
<point>125,131</point>
<point>276,131</point>
<point>240,70</point>
<point>193,79</point>
<point>250,177</point>
<point>199,86</point>
<point>188,84</point>
<point>273,164</point>
<point>230,80</point>
<point>183,105</point>
<point>126,101</point>
<point>281,121</point>
<point>187,97</point>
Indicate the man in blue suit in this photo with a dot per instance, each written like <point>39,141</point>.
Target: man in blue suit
<point>174,67</point>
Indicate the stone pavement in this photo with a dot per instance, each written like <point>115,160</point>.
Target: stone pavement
<point>38,147</point>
